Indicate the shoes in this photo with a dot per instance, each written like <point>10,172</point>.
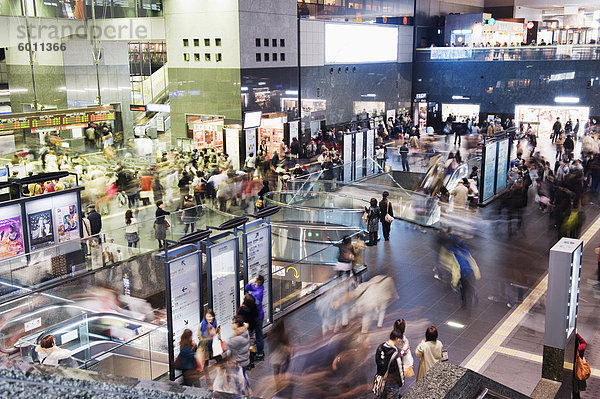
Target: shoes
<point>259,357</point>
<point>437,277</point>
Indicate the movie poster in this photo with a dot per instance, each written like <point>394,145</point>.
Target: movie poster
<point>67,223</point>
<point>11,238</point>
<point>41,229</point>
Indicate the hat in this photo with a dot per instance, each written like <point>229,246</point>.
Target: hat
<point>297,165</point>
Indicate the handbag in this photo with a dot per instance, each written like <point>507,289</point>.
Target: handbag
<point>409,371</point>
<point>177,363</point>
<point>582,368</point>
<point>388,218</point>
<point>379,380</point>
<point>444,355</point>
<point>217,346</point>
<point>365,217</point>
<point>167,224</point>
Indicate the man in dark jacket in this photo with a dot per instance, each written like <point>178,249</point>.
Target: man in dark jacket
<point>556,128</point>
<point>95,220</point>
<point>569,146</point>
<point>295,147</point>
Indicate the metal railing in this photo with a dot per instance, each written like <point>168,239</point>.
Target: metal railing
<point>518,53</point>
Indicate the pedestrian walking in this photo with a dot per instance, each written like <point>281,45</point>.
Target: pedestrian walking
<point>371,217</point>
<point>131,229</point>
<point>188,359</point>
<point>161,224</point>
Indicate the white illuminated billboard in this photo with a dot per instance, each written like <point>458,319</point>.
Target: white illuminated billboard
<point>360,43</point>
<point>252,119</point>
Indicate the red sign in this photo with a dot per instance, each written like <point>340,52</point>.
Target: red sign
<point>404,21</point>
<point>530,25</point>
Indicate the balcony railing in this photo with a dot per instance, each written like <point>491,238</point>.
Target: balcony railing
<point>520,53</point>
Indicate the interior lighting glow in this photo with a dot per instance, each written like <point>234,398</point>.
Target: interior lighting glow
<point>566,100</point>
<point>244,88</point>
<point>371,95</point>
<point>460,98</point>
<point>291,92</point>
<point>455,324</point>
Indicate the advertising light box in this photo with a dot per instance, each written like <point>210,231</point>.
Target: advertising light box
<point>360,43</point>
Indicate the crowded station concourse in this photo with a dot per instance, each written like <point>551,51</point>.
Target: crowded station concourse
<point>316,212</point>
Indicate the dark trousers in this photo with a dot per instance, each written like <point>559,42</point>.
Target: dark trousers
<point>405,166</point>
<point>386,229</point>
<point>260,340</point>
<point>373,238</point>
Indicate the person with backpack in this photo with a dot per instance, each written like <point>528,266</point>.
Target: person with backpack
<point>389,377</point>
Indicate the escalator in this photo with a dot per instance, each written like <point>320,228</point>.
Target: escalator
<point>105,342</point>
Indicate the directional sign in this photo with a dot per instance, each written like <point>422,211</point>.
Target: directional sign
<point>185,296</point>
<point>223,276</point>
<point>258,258</point>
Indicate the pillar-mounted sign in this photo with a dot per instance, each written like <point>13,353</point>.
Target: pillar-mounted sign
<point>562,301</point>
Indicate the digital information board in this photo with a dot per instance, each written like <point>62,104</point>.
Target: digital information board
<point>370,150</point>
<point>257,244</point>
<point>223,266</point>
<point>55,118</point>
<point>489,171</point>
<point>502,169</point>
<point>358,155</point>
<point>347,157</point>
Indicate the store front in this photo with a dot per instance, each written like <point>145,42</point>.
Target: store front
<point>542,117</point>
<point>461,112</point>
<point>271,131</point>
<point>502,33</point>
<point>206,132</point>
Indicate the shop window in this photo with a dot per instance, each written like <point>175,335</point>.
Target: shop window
<point>258,57</point>
<point>266,42</point>
<point>218,57</point>
<point>207,57</point>
<point>282,57</point>
<point>266,57</point>
<point>218,42</point>
<point>281,42</point>
<point>186,57</point>
<point>196,56</point>
<point>257,42</point>
<point>274,56</point>
<point>274,43</point>
<point>207,42</point>
<point>196,42</point>
<point>186,42</point>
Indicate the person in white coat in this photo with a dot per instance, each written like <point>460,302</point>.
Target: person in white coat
<point>50,354</point>
<point>429,350</point>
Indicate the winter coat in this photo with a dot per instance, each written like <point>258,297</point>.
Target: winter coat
<point>430,353</point>
<point>373,216</point>
<point>238,346</point>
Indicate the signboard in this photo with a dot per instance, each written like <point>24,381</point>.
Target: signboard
<point>451,53</point>
<point>562,299</point>
<point>359,155</point>
<point>257,244</point>
<point>370,150</point>
<point>489,170</point>
<point>32,324</point>
<point>293,130</point>
<point>41,229</point>
<point>55,118</point>
<point>250,142</point>
<point>11,232</point>
<point>232,146</point>
<point>184,273</point>
<point>502,170</point>
<point>390,113</point>
<point>223,266</point>
<point>67,223</point>
<point>347,157</point>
